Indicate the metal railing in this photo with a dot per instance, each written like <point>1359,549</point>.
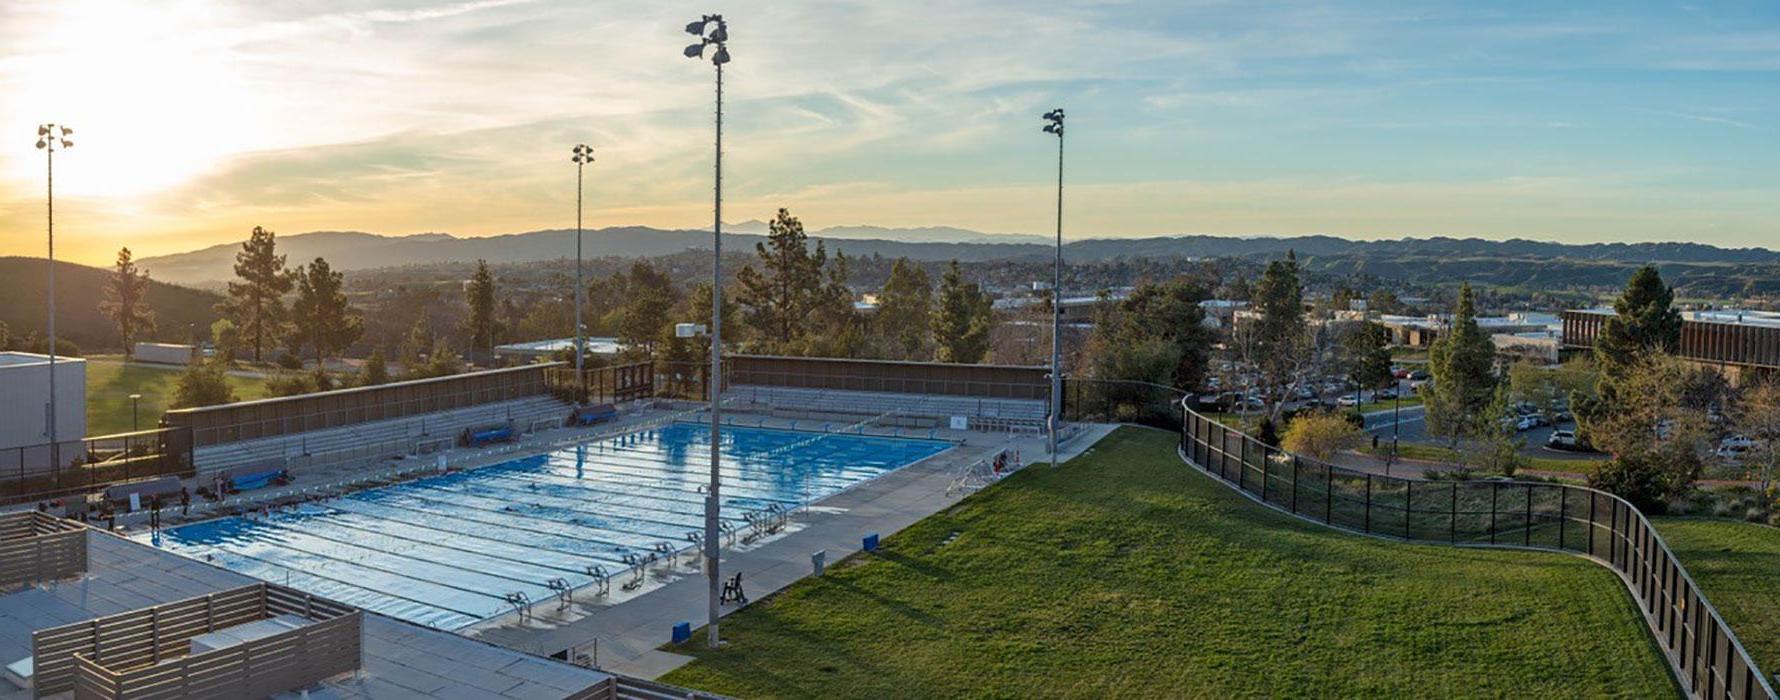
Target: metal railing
<point>1702,650</point>
<point>30,473</point>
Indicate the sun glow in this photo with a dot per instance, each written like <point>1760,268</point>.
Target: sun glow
<point>150,89</point>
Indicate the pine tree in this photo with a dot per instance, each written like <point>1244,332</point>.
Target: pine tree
<point>962,319</point>
<point>415,347</point>
<point>904,307</point>
<point>1462,362</point>
<point>256,303</point>
<point>1367,355</point>
<point>648,292</point>
<point>322,318</point>
<point>126,302</point>
<point>375,371</point>
<point>1279,335</point>
<point>778,299</point>
<point>1644,320</point>
<point>480,324</point>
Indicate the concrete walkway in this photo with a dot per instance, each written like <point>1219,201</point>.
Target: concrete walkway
<point>623,637</point>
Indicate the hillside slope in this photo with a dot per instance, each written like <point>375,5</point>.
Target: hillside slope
<point>79,289</point>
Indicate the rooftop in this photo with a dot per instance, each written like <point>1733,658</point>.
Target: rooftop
<point>21,359</point>
<point>401,660</point>
<point>1735,317</point>
<point>597,346</point>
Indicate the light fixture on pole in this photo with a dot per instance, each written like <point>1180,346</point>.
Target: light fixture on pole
<point>717,36</point>
<point>1054,125</point>
<point>50,137</point>
<point>583,156</point>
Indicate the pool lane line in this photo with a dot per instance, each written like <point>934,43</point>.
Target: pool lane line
<point>349,584</point>
<point>544,583</point>
<point>538,510</point>
<point>324,518</point>
<point>619,547</point>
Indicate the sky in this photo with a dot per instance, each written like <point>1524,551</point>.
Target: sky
<point>196,120</point>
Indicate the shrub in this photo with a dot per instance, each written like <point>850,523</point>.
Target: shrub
<point>289,361</point>
<point>1649,480</point>
<point>1320,435</point>
<point>202,384</point>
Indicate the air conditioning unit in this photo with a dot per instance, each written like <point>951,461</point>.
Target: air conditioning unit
<point>688,330</point>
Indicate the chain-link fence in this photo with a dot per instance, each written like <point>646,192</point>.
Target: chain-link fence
<point>35,472</point>
<point>1704,652</point>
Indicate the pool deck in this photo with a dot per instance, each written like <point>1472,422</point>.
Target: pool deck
<point>401,660</point>
<point>623,636</point>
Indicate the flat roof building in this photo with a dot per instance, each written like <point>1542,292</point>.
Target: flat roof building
<point>1741,343</point>
<point>24,401</point>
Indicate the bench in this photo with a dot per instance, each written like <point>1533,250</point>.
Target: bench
<point>143,490</point>
<point>592,414</point>
<point>474,437</point>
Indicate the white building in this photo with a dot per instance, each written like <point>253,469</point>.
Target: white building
<point>24,405</point>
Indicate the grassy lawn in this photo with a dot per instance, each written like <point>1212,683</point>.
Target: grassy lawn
<point>1735,563</point>
<point>1126,574</point>
<point>110,384</point>
<point>1436,453</point>
<point>1383,405</point>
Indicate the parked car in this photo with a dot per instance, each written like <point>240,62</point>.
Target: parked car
<point>1387,393</point>
<point>1419,375</point>
<point>1525,423</point>
<point>1563,440</point>
<point>1349,400</point>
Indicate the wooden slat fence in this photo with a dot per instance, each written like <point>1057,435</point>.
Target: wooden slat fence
<point>146,653</point>
<point>37,547</point>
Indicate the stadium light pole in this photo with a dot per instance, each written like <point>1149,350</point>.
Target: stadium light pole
<point>1055,126</point>
<point>49,138</point>
<point>583,155</point>
<point>717,37</point>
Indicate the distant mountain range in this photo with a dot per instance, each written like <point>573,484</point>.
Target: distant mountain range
<point>351,250</point>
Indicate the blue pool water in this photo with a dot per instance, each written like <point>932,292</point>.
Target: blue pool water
<point>444,551</point>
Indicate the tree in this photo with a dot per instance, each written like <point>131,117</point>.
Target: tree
<point>962,319</point>
<point>1757,417</point>
<point>1657,438</point>
<point>1462,362</point>
<point>779,298</point>
<point>202,384</point>
<point>1150,360</point>
<point>415,347</point>
<point>480,324</point>
<point>1643,320</point>
<point>647,293</point>
<point>904,307</point>
<point>226,338</point>
<point>1383,301</point>
<point>1278,341</point>
<point>256,303</point>
<point>126,302</point>
<point>1320,435</point>
<point>322,318</point>
<point>834,329</point>
<point>375,371</point>
<point>699,312</point>
<point>1366,354</point>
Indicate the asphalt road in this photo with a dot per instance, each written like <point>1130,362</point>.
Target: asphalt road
<point>1413,428</point>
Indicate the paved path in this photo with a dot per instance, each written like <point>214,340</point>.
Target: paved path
<point>628,633</point>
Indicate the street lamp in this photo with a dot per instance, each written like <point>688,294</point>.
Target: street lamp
<point>717,36</point>
<point>1055,126</point>
<point>135,400</point>
<point>583,156</point>
<point>49,138</point>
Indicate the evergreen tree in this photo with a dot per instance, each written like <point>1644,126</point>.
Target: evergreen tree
<point>480,324</point>
<point>256,303</point>
<point>126,302</point>
<point>323,320</point>
<point>226,338</point>
<point>962,319</point>
<point>1170,312</point>
<point>1278,337</point>
<point>1367,355</point>
<point>202,384</point>
<point>415,347</point>
<point>1462,362</point>
<point>834,327</point>
<point>648,292</point>
<point>699,304</point>
<point>904,307</point>
<point>778,299</point>
<point>1644,320</point>
<point>375,371</point>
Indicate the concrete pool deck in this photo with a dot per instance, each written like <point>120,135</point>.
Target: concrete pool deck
<point>623,635</point>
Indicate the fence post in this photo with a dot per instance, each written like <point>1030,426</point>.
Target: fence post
<point>1528,523</point>
<point>1328,493</point>
<point>1591,523</point>
<point>1563,513</point>
<point>1366,522</point>
<point>1242,463</point>
<point>1454,535</point>
<point>1294,483</point>
<point>1495,492</point>
<point>1408,499</point>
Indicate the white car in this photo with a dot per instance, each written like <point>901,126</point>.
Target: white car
<point>1349,400</point>
<point>1562,439</point>
<point>1525,423</point>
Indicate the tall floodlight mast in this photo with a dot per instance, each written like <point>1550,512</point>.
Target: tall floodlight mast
<point>50,138</point>
<point>1054,125</point>
<point>717,37</point>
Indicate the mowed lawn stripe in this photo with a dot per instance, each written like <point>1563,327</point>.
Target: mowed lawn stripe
<point>1125,573</point>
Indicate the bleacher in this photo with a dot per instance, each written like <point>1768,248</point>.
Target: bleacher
<point>984,413</point>
<point>387,438</point>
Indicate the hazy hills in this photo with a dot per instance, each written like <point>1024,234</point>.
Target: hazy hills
<point>358,251</point>
<point>78,291</point>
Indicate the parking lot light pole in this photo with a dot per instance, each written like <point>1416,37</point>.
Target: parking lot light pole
<point>716,37</point>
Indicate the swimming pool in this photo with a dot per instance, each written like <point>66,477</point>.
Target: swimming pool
<point>446,550</point>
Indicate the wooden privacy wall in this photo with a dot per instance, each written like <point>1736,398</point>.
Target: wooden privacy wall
<point>984,381</point>
<point>37,547</point>
<point>246,420</point>
<point>146,653</point>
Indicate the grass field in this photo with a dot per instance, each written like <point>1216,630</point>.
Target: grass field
<point>1126,574</point>
<point>110,384</point>
<point>1383,405</point>
<point>1737,564</point>
<point>1436,453</point>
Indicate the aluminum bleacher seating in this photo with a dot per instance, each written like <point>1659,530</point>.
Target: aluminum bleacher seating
<point>391,437</point>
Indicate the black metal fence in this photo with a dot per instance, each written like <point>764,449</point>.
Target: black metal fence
<point>1705,654</point>
<point>36,472</point>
